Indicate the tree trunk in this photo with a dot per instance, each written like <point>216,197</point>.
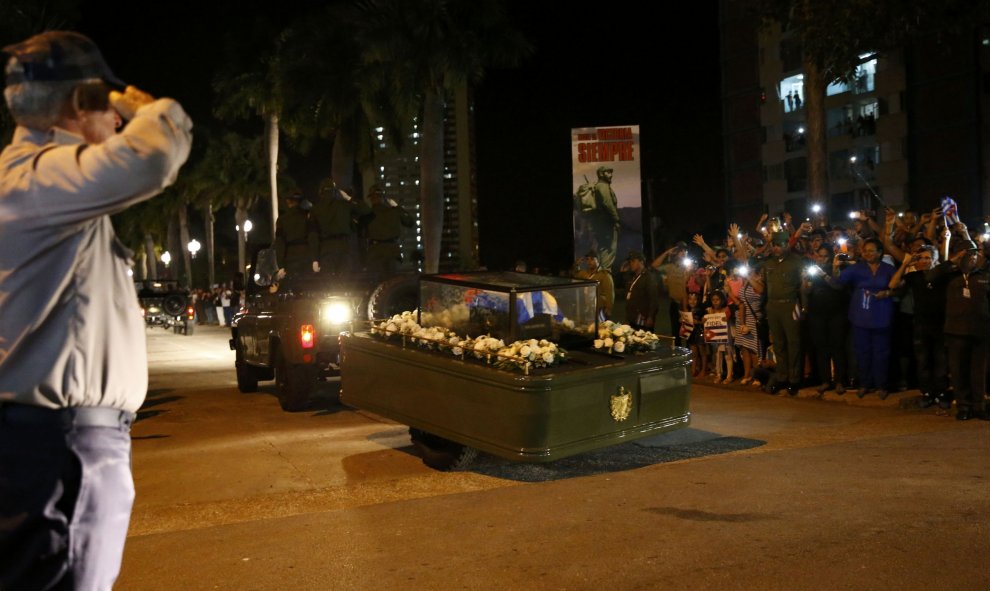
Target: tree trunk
<point>172,243</point>
<point>272,122</point>
<point>149,249</point>
<point>431,180</point>
<point>184,242</point>
<point>241,216</point>
<point>342,160</point>
<point>211,257</point>
<point>817,143</point>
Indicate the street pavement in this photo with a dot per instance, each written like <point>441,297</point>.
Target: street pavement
<point>761,492</point>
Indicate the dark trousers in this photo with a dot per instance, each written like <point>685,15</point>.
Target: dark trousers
<point>785,332</point>
<point>828,338</point>
<point>872,346</point>
<point>929,354</point>
<point>675,322</point>
<point>968,367</point>
<point>65,502</point>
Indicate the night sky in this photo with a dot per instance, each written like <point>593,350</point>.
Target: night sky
<point>620,64</point>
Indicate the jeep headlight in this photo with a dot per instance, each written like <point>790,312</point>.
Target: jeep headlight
<point>337,312</point>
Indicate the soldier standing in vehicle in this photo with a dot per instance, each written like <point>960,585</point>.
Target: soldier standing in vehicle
<point>296,241</point>
<point>591,271</point>
<point>383,233</point>
<point>333,216</point>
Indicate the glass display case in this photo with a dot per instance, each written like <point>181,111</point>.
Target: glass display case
<point>511,306</point>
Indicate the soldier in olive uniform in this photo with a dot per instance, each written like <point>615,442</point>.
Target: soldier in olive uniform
<point>296,240</point>
<point>333,216</point>
<point>383,233</point>
<point>606,287</point>
<point>642,297</point>
<point>782,277</point>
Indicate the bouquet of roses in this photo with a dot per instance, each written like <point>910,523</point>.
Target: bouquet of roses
<point>399,325</point>
<point>619,338</point>
<point>532,353</point>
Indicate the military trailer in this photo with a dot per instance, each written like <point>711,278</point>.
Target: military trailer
<point>514,365</point>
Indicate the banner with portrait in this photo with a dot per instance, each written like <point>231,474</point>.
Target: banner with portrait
<point>608,204</point>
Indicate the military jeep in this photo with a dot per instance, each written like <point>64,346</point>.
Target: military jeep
<point>288,328</point>
<point>166,304</point>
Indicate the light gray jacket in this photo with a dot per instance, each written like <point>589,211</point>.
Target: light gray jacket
<point>71,332</point>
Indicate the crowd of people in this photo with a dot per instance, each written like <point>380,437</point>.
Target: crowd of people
<point>896,301</point>
<point>216,305</point>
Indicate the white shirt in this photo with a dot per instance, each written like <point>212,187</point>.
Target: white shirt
<point>71,332</point>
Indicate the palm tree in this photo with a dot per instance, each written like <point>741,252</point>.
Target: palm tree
<point>329,91</point>
<point>428,48</point>
<point>232,172</point>
<point>248,87</point>
<point>137,227</point>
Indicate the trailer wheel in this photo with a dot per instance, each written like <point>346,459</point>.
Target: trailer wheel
<point>442,454</point>
<point>394,296</point>
<point>293,383</point>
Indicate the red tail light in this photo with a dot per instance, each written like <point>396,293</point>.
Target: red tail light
<point>190,313</point>
<point>307,336</point>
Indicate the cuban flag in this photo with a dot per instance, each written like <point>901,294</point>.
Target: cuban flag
<point>716,328</point>
<point>533,303</point>
<point>687,324</point>
<point>950,211</point>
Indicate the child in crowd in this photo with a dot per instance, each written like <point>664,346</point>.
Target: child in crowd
<point>719,336</point>
<point>697,340</point>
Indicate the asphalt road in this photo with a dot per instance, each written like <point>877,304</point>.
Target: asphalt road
<point>760,493</point>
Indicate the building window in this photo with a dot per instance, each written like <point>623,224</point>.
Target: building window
<point>791,92</point>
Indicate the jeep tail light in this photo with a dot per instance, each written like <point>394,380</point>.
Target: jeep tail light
<point>190,313</point>
<point>307,336</point>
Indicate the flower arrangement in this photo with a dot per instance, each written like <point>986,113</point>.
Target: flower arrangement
<point>537,353</point>
<point>619,338</point>
<point>518,355</point>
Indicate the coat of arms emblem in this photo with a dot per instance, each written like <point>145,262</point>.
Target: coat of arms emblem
<point>621,405</point>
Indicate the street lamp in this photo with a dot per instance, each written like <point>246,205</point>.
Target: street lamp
<point>166,258</point>
<point>247,228</point>
<point>193,247</point>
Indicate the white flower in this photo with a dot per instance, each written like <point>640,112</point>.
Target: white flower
<point>548,357</point>
<point>620,347</point>
<point>457,351</point>
<point>524,351</point>
<point>599,343</point>
<point>609,343</point>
